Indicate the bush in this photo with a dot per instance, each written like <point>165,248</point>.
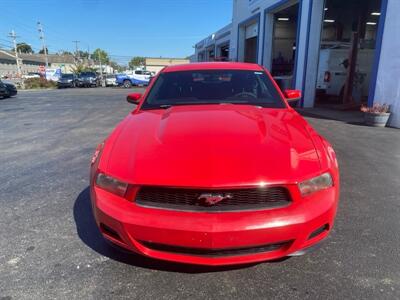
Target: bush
<point>39,83</point>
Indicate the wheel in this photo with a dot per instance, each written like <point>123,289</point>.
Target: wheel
<point>127,84</point>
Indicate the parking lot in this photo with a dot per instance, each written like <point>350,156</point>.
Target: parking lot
<point>51,248</point>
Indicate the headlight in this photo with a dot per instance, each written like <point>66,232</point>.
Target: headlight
<point>320,182</point>
<point>111,184</point>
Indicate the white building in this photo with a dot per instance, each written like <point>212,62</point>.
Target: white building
<point>215,46</point>
<point>33,63</point>
<point>155,64</point>
<point>286,37</point>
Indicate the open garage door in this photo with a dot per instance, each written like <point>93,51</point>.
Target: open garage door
<point>284,41</point>
<point>223,52</point>
<point>347,51</point>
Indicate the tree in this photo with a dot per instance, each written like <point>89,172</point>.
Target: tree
<point>137,61</point>
<point>116,66</point>
<point>80,67</point>
<point>66,53</point>
<point>101,55</point>
<point>24,48</point>
<point>42,51</point>
<point>82,54</point>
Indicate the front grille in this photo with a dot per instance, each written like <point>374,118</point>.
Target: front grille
<point>235,199</point>
<point>216,252</point>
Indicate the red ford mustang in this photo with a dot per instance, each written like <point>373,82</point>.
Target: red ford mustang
<point>214,167</point>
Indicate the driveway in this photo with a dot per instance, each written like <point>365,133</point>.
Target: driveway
<point>50,247</point>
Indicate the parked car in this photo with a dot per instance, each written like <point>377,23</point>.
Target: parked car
<point>87,79</point>
<point>3,90</point>
<point>66,80</point>
<point>111,80</point>
<point>11,89</point>
<point>214,167</point>
<point>7,89</point>
<point>31,75</point>
<point>137,77</point>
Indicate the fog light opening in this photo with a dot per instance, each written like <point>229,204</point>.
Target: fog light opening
<point>110,232</point>
<point>319,231</point>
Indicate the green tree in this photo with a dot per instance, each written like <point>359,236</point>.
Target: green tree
<point>82,54</point>
<point>42,51</point>
<point>137,61</point>
<point>116,66</point>
<point>24,48</point>
<point>80,67</point>
<point>101,55</point>
<point>66,53</point>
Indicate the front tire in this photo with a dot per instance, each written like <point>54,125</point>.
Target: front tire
<point>127,84</point>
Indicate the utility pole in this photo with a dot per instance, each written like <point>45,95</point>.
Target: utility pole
<point>76,47</point>
<point>41,36</point>
<point>14,38</point>
<point>88,51</point>
<point>101,68</point>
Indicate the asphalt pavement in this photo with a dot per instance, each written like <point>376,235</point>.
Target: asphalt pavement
<point>50,247</point>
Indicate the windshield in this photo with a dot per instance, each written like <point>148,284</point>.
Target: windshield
<point>88,74</point>
<point>213,87</point>
<point>67,76</point>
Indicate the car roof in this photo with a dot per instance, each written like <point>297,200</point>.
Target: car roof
<point>213,66</point>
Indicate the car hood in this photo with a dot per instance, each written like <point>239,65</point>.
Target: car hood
<point>212,146</point>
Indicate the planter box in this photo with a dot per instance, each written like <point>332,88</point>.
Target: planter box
<point>377,120</point>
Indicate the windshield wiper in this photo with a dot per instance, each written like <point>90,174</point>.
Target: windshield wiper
<point>165,106</point>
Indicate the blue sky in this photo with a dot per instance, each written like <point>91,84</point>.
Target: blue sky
<point>167,28</point>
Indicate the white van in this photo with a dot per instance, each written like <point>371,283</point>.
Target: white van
<point>332,71</point>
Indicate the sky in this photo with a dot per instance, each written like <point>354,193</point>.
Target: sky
<point>152,28</point>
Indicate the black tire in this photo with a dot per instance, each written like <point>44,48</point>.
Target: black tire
<point>127,84</point>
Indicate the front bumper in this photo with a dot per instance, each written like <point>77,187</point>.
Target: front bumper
<point>111,83</point>
<point>86,83</point>
<point>64,84</point>
<point>160,233</point>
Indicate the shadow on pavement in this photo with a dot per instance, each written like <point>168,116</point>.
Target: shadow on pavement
<point>349,117</point>
<point>88,232</point>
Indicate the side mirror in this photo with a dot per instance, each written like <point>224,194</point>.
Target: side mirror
<point>134,98</point>
<point>292,97</point>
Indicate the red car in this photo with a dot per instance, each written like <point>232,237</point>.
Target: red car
<point>214,167</point>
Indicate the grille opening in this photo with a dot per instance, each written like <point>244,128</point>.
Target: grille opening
<point>110,232</point>
<point>319,231</point>
<point>216,252</point>
<point>190,199</point>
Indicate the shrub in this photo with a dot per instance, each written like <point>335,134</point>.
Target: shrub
<point>376,109</point>
<point>39,83</point>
